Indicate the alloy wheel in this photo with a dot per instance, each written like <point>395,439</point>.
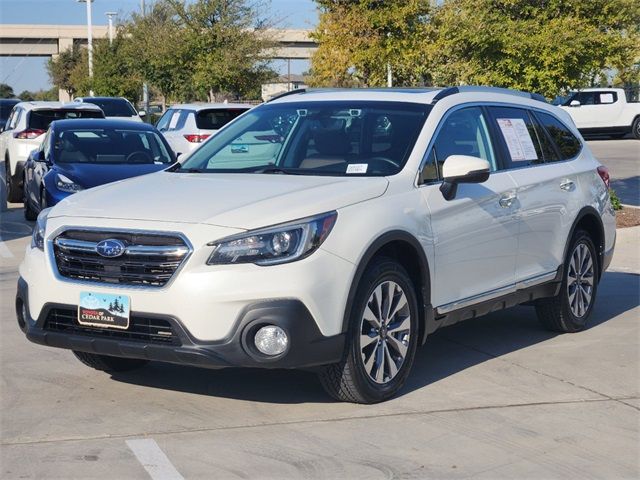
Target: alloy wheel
<point>580,280</point>
<point>385,332</point>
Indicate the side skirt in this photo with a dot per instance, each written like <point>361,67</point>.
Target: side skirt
<point>520,296</point>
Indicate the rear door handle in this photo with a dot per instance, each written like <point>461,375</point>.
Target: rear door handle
<point>507,200</point>
<point>566,185</point>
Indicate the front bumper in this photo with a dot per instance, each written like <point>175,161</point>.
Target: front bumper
<point>307,346</point>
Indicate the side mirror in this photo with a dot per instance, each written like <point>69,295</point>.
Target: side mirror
<point>462,169</point>
<point>142,113</point>
<point>574,103</point>
<point>38,156</point>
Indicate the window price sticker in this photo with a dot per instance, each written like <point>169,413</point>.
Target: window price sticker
<point>518,140</point>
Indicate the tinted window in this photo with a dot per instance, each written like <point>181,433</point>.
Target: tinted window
<point>586,98</point>
<point>549,152</point>
<point>216,119</point>
<point>113,107</point>
<point>110,146</point>
<point>464,132</point>
<point>517,136</point>
<point>315,138</point>
<point>5,109</point>
<point>41,119</point>
<point>568,145</point>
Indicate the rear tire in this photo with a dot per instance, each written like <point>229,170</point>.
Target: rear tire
<point>381,339</point>
<point>109,364</point>
<point>635,128</point>
<point>14,193</point>
<point>569,311</point>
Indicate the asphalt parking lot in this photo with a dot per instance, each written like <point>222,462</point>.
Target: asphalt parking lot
<point>493,398</point>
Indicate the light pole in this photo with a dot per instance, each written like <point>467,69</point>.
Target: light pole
<point>145,87</point>
<point>89,39</point>
<point>110,16</point>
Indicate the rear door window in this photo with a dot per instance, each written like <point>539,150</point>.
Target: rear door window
<point>41,119</point>
<point>566,142</point>
<point>215,119</point>
<point>517,136</point>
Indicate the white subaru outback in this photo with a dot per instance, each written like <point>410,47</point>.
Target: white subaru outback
<point>369,219</point>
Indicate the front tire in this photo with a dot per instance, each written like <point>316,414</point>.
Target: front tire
<point>569,311</point>
<point>381,340</point>
<point>635,128</point>
<point>29,213</point>
<point>109,364</point>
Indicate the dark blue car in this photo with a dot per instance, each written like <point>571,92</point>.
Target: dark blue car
<point>80,154</point>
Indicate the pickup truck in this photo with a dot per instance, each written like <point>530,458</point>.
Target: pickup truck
<point>605,111</point>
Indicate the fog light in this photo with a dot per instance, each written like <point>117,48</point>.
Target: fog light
<point>271,340</point>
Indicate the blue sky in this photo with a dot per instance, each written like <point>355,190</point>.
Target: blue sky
<point>24,73</point>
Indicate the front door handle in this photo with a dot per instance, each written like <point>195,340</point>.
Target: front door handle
<point>566,185</point>
<point>507,200</point>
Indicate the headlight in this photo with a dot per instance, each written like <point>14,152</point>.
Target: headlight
<point>65,185</point>
<point>278,244</point>
<point>37,237</point>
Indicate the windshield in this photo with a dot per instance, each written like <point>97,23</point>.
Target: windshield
<point>315,138</point>
<point>41,119</point>
<point>113,107</point>
<point>215,119</point>
<point>110,146</point>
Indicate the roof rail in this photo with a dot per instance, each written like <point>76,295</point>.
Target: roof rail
<point>285,94</point>
<point>483,89</point>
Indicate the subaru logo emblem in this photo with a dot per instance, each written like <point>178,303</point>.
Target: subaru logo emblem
<point>110,248</point>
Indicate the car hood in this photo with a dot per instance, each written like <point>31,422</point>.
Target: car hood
<point>89,175</point>
<point>243,201</point>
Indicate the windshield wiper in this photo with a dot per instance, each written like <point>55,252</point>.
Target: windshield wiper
<point>269,169</point>
<point>180,168</point>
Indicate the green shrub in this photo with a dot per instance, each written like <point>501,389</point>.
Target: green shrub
<point>615,201</point>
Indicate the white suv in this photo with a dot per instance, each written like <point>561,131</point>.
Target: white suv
<point>24,132</point>
<point>374,218</point>
<point>186,126</point>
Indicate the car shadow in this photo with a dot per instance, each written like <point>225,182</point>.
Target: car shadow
<point>447,352</point>
<point>13,225</point>
<point>627,190</point>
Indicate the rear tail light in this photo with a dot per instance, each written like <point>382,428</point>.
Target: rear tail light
<point>604,175</point>
<point>197,138</point>
<point>29,133</point>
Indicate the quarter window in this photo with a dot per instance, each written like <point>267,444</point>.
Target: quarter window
<point>517,136</point>
<point>464,132</point>
<point>568,145</point>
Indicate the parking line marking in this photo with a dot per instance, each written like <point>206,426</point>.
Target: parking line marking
<point>153,459</point>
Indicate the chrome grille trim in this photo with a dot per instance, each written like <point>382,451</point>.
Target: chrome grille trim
<point>141,266</point>
<point>70,244</point>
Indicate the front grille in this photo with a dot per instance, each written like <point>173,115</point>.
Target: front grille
<point>141,328</point>
<point>149,259</point>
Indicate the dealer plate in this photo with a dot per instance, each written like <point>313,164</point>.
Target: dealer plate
<point>104,310</point>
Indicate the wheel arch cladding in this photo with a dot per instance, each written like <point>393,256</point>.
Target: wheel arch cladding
<point>589,220</point>
<point>404,248</point>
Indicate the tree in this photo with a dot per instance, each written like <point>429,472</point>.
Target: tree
<point>61,68</point>
<point>542,46</point>
<point>6,91</point>
<point>359,39</point>
<point>157,49</point>
<point>113,74</point>
<point>51,94</point>
<point>229,43</point>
